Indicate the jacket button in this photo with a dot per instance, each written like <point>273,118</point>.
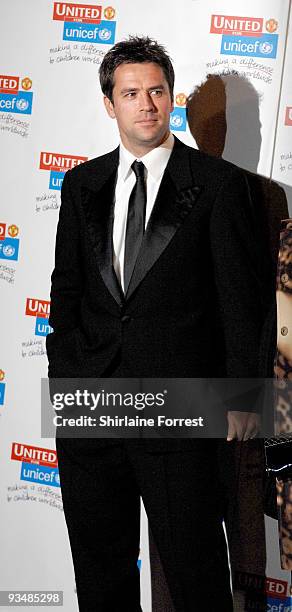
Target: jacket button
<point>284,331</point>
<point>125,318</point>
<point>284,278</point>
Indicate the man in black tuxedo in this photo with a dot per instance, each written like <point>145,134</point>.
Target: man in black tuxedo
<point>155,275</point>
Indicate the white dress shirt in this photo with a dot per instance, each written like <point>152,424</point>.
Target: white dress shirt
<point>155,163</point>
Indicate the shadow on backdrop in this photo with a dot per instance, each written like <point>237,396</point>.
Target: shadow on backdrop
<point>223,117</point>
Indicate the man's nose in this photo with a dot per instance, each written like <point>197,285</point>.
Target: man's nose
<point>146,101</point>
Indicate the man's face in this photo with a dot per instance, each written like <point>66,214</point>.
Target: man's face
<point>141,105</point>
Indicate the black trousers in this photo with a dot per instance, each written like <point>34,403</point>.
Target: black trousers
<point>101,489</point>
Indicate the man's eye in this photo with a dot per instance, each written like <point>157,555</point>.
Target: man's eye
<point>130,94</point>
<point>156,92</point>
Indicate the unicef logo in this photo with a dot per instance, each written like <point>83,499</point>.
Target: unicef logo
<point>266,48</point>
<point>8,250</point>
<point>104,34</point>
<point>22,104</point>
<point>57,478</point>
<point>176,121</point>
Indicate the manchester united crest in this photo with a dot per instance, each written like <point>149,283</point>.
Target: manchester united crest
<point>13,230</point>
<point>181,99</point>
<point>26,83</point>
<point>271,25</point>
<point>2,374</point>
<point>109,12</point>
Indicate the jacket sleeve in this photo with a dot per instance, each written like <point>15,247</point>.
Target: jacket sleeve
<point>67,280</point>
<point>243,286</point>
<point>242,292</point>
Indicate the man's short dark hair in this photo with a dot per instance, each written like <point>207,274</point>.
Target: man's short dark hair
<point>134,50</point>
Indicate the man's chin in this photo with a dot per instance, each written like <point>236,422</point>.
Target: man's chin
<point>152,136</point>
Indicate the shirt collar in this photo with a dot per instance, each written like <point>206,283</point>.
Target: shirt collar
<point>155,161</point>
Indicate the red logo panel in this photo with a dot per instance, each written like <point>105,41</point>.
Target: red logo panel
<point>37,308</point>
<point>243,26</point>
<point>83,13</point>
<point>2,230</point>
<point>34,454</point>
<point>276,588</point>
<point>288,115</point>
<point>9,84</point>
<point>59,161</point>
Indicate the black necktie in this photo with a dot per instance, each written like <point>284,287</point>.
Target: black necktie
<point>135,222</point>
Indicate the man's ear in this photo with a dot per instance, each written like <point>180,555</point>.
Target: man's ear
<point>109,107</point>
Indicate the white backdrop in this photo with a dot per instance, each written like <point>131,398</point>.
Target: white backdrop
<point>50,103</point>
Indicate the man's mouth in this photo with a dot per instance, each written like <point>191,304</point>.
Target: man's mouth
<point>146,121</point>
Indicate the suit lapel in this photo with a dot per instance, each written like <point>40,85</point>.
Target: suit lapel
<point>175,200</point>
<point>98,203</point>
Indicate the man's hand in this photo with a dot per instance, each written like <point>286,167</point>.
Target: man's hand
<point>242,425</point>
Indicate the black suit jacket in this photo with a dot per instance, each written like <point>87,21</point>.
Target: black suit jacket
<point>200,289</point>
